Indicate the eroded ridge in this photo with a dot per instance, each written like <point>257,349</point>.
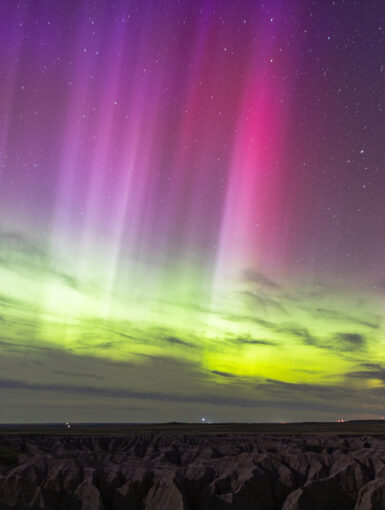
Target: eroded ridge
<point>193,472</point>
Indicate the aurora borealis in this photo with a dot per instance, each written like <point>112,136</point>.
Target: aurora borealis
<point>192,196</point>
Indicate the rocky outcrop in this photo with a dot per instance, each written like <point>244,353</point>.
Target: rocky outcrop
<point>217,472</point>
<point>372,496</point>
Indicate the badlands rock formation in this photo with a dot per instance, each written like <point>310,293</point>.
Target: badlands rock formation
<point>186,472</point>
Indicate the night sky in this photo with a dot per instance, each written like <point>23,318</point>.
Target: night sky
<point>192,206</point>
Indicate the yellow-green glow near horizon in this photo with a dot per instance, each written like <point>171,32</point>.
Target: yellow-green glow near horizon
<point>295,336</point>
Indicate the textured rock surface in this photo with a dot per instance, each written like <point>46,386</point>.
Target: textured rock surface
<point>187,472</point>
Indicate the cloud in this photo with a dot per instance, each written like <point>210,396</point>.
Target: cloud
<point>354,341</point>
<point>222,374</point>
<point>19,244</point>
<point>264,301</point>
<point>342,316</point>
<point>289,329</point>
<point>315,394</point>
<point>230,401</point>
<point>301,333</point>
<point>76,374</point>
<point>252,341</point>
<point>339,342</point>
<point>373,371</point>
<point>155,379</point>
<point>124,393</point>
<point>301,387</point>
<point>19,252</point>
<point>371,366</point>
<point>251,275</point>
<point>177,341</point>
